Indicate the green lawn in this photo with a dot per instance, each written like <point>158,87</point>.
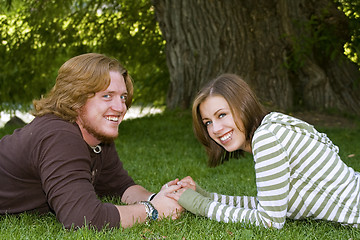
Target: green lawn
<point>160,148</point>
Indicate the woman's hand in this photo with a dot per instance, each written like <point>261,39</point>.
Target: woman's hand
<point>187,182</point>
<point>171,183</point>
<point>176,194</point>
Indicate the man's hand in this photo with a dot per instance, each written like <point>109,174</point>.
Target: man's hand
<point>165,205</point>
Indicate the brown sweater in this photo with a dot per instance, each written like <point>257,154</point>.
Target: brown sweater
<point>47,166</point>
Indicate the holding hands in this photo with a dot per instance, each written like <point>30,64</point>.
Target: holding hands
<point>183,185</point>
<point>166,201</point>
<point>167,206</point>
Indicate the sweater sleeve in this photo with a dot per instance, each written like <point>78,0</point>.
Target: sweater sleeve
<point>238,201</point>
<point>64,168</point>
<point>272,180</point>
<point>203,191</point>
<point>194,202</point>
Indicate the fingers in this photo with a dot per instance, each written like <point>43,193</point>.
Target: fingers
<point>187,179</point>
<point>169,189</point>
<point>176,194</point>
<point>172,188</point>
<point>173,182</point>
<point>186,182</point>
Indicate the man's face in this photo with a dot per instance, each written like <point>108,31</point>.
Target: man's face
<point>100,117</point>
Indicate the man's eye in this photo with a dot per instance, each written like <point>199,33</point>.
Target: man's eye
<point>106,96</point>
<point>124,97</point>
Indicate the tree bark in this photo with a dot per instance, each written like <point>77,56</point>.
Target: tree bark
<point>257,40</point>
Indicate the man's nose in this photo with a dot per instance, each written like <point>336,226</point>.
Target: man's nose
<point>119,105</point>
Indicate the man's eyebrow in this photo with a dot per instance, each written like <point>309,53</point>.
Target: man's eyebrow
<point>111,92</point>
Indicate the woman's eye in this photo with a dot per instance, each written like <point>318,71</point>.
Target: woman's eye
<point>207,123</point>
<point>222,115</point>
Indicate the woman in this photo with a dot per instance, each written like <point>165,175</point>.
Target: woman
<point>298,170</point>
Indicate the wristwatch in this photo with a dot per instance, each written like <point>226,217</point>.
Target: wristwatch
<point>151,211</point>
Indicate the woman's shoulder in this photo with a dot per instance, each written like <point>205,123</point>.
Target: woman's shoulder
<point>276,122</point>
<point>281,119</point>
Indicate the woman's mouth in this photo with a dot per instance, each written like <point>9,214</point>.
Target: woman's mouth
<point>226,137</point>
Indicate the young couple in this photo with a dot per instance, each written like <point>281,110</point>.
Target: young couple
<point>66,157</point>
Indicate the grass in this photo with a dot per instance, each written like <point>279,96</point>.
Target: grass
<point>160,148</point>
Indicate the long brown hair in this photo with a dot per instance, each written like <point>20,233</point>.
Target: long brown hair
<point>244,107</point>
<point>78,79</point>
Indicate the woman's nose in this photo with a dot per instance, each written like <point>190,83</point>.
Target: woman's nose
<point>217,127</point>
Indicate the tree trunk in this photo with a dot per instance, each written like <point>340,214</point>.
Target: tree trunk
<point>275,45</point>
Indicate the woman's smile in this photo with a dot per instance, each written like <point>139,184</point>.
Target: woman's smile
<point>226,137</point>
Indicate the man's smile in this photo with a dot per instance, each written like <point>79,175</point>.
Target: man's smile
<point>112,118</point>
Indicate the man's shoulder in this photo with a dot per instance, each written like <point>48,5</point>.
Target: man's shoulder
<point>53,132</point>
<point>53,122</point>
<point>50,124</point>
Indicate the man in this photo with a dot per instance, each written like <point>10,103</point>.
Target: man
<point>66,156</point>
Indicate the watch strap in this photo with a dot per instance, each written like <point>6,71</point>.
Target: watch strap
<point>151,212</point>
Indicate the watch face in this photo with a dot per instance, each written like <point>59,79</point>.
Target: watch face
<point>154,214</point>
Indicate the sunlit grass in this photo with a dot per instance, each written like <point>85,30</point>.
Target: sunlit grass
<point>160,148</point>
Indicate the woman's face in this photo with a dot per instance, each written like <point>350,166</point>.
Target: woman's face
<point>218,119</point>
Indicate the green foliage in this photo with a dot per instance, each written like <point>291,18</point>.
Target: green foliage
<point>38,36</point>
<point>327,35</point>
<point>351,9</point>
<point>160,148</point>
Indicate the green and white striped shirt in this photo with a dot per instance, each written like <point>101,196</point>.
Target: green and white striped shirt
<point>299,174</point>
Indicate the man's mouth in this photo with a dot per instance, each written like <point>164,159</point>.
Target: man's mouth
<point>226,137</point>
<point>112,118</point>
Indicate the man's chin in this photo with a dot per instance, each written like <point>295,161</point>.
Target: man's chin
<point>102,137</point>
<point>106,138</point>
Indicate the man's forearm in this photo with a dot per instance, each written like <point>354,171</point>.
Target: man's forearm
<point>135,194</point>
<point>131,214</point>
